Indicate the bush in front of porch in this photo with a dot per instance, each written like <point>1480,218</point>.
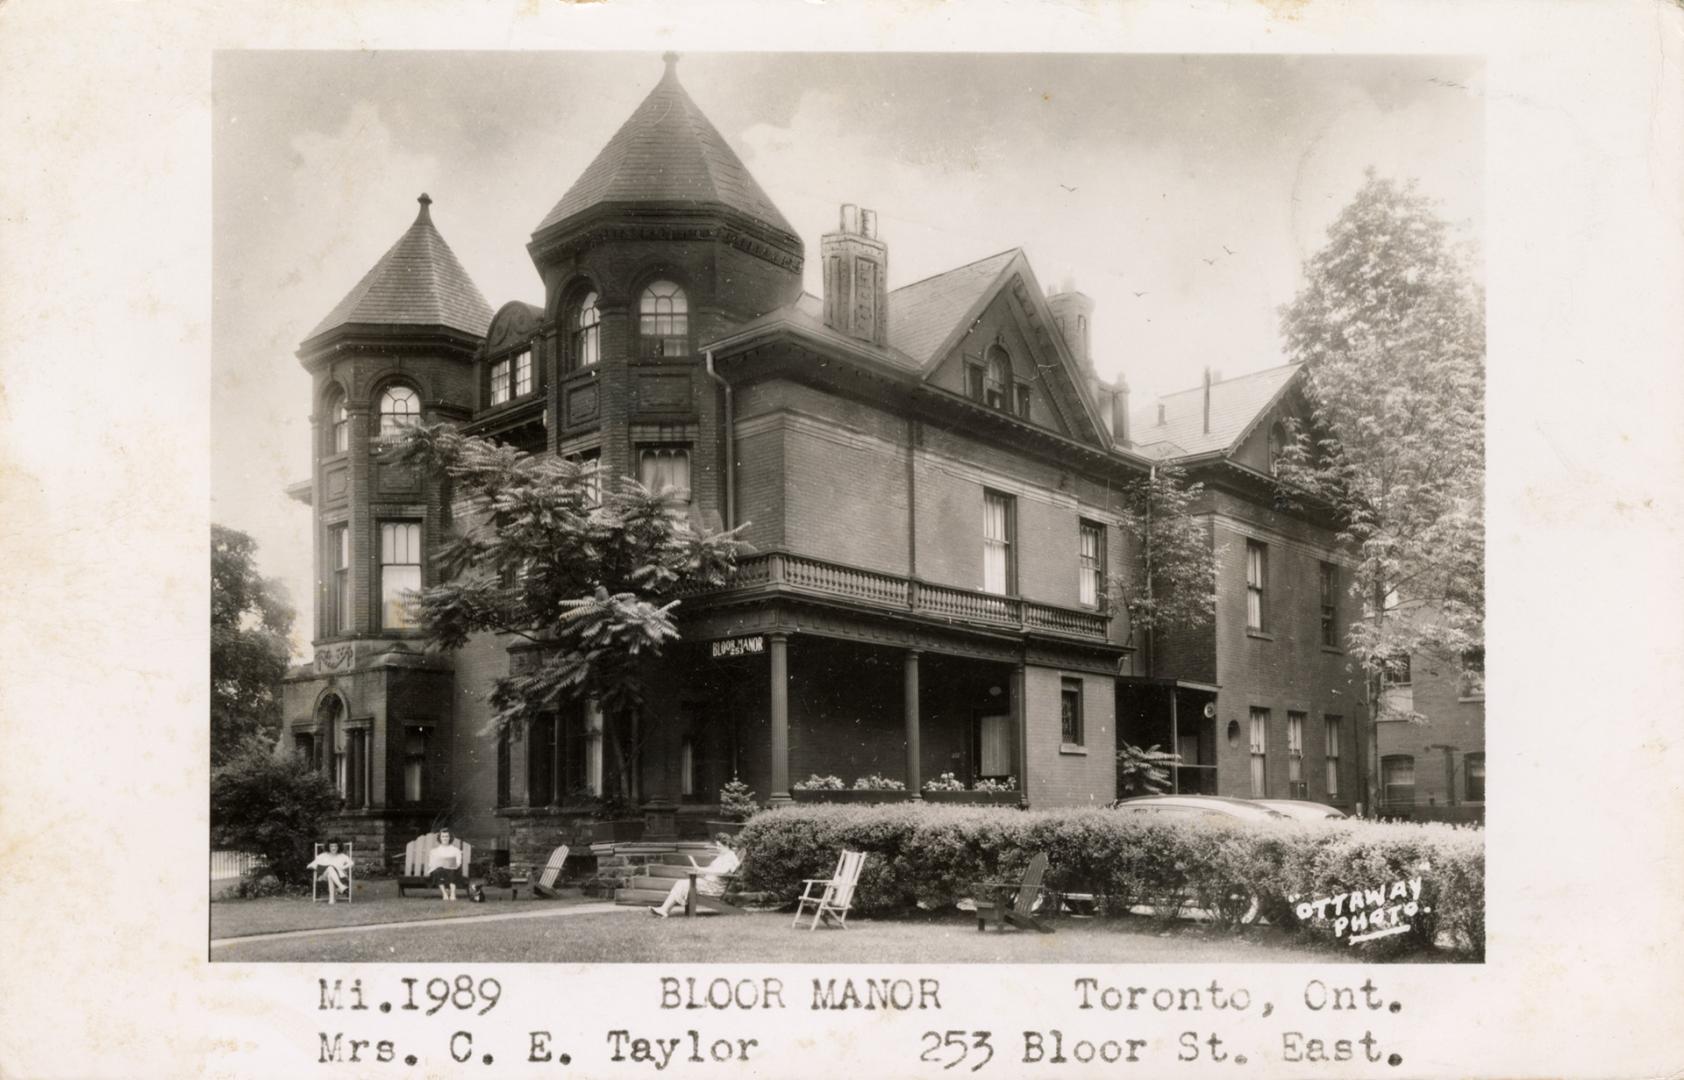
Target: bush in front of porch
<point>932,856</point>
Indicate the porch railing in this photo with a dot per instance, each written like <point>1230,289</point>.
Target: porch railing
<point>798,573</point>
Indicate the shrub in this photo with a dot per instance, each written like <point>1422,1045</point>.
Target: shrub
<point>933,856</point>
<point>736,801</point>
<point>877,782</point>
<point>276,807</point>
<point>816,782</point>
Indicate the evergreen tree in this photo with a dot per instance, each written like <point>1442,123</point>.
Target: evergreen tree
<point>590,574</point>
<point>1390,324</point>
<point>251,625</point>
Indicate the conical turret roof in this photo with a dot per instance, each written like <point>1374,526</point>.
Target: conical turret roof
<point>667,152</point>
<point>418,282</point>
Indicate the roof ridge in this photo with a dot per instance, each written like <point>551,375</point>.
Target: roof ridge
<point>956,269</point>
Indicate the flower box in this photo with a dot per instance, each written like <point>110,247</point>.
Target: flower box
<point>853,796</point>
<point>974,798</point>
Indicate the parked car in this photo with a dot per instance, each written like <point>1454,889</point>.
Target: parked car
<point>1300,810</point>
<point>1217,806</point>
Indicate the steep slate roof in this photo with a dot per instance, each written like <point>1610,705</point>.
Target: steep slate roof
<point>667,152</point>
<point>1235,404</point>
<point>923,315</point>
<point>418,282</point>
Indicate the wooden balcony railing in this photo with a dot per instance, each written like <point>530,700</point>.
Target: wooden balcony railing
<point>797,573</point>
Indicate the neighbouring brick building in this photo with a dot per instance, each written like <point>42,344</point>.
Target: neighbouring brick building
<point>928,475</point>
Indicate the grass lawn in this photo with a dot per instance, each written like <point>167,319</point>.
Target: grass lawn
<point>377,902</point>
<point>629,935</point>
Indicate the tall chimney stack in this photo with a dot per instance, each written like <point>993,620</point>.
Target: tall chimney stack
<point>1207,400</point>
<point>856,272</point>
<point>1120,412</point>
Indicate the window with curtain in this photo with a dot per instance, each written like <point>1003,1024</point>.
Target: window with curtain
<point>996,378</point>
<point>663,320</point>
<point>1295,753</point>
<point>587,333</point>
<point>997,569</point>
<point>1090,582</point>
<point>339,543</point>
<point>400,410</point>
<point>1256,579</point>
<point>1333,725</point>
<point>400,573</point>
<point>415,764</point>
<point>994,746</point>
<point>500,381</point>
<point>1259,753</point>
<point>339,426</point>
<point>1397,780</point>
<point>665,469</point>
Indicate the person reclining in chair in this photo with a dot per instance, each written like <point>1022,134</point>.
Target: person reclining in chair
<point>711,883</point>
<point>335,867</point>
<point>445,869</point>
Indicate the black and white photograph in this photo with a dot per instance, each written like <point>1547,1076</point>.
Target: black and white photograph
<point>777,537</point>
<point>1031,494</point>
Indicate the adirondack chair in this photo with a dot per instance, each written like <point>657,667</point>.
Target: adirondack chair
<point>415,861</point>
<point>995,900</point>
<point>835,894</point>
<point>696,900</point>
<point>319,889</point>
<point>544,881</point>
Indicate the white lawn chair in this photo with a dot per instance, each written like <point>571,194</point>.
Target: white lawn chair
<point>835,895</point>
<point>544,881</point>
<point>318,885</point>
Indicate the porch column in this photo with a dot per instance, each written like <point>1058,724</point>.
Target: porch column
<point>1020,734</point>
<point>779,647</point>
<point>914,782</point>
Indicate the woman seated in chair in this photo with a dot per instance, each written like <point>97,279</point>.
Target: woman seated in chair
<point>444,866</point>
<point>334,867</point>
<point>711,879</point>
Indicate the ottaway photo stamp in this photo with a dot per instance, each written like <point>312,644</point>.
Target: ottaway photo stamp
<point>764,507</point>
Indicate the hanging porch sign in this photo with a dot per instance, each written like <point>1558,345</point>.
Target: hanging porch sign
<point>739,646</point>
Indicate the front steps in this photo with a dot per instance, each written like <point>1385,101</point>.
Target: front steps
<point>642,873</point>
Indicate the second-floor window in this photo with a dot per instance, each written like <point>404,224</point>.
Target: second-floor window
<point>1397,687</point>
<point>587,333</point>
<point>665,469</point>
<point>1295,754</point>
<point>1330,605</point>
<point>400,410</point>
<point>1090,583</point>
<point>523,372</point>
<point>663,320</point>
<point>1259,753</point>
<point>339,427</point>
<point>400,573</point>
<point>339,543</point>
<point>998,570</point>
<point>1256,581</point>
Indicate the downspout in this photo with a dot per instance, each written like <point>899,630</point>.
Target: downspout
<point>1152,630</point>
<point>730,445</point>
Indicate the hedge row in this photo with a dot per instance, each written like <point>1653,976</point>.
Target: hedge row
<point>931,857</point>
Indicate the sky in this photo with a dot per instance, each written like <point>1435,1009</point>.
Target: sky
<point>1181,193</point>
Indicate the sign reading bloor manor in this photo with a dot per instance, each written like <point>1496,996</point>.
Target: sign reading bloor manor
<point>739,646</point>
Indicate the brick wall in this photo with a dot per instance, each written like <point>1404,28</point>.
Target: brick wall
<point>1060,776</point>
<point>1450,721</point>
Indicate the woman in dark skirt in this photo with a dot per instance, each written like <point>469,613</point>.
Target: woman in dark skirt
<point>444,866</point>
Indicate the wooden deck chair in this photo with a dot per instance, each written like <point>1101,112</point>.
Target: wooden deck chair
<point>544,881</point>
<point>994,899</point>
<point>696,900</point>
<point>835,894</point>
<point>415,861</point>
<point>318,884</point>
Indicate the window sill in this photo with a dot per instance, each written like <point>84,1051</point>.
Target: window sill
<point>1258,634</point>
<point>1073,748</point>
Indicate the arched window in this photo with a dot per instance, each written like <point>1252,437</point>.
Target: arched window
<point>663,320</point>
<point>400,410</point>
<point>587,332</point>
<point>997,378</point>
<point>338,426</point>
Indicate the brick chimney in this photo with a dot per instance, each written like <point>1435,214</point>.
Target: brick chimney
<point>856,271</point>
<point>1207,400</point>
<point>1120,411</point>
<point>1073,312</point>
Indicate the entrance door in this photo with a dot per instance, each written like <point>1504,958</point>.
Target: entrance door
<point>992,746</point>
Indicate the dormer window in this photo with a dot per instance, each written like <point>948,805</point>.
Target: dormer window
<point>400,410</point>
<point>997,379</point>
<point>339,426</point>
<point>663,320</point>
<point>500,381</point>
<point>511,377</point>
<point>587,333</point>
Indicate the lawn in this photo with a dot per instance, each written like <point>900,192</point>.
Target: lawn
<point>377,902</point>
<point>630,935</point>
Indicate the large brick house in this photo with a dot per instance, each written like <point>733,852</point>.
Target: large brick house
<point>928,475</point>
